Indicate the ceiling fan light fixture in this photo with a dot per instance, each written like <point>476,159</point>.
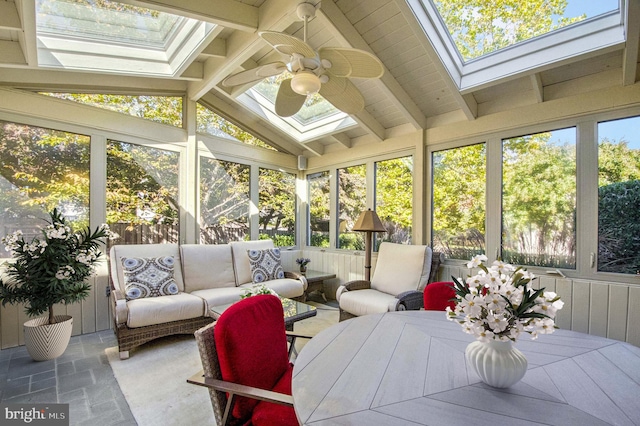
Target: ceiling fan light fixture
<point>305,83</point>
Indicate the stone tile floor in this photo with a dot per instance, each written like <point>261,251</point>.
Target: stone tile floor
<point>80,377</point>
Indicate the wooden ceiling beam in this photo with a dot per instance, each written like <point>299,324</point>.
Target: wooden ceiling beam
<point>335,21</point>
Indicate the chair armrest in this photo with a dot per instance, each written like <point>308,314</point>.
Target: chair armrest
<point>241,390</point>
<point>437,259</point>
<point>298,336</point>
<point>411,300</point>
<point>352,285</point>
<point>357,285</point>
<point>297,276</point>
<point>121,312</point>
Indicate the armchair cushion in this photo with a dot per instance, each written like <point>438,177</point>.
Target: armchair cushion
<point>367,301</point>
<point>269,413</point>
<point>252,326</point>
<point>265,265</point>
<point>438,295</point>
<point>401,268</point>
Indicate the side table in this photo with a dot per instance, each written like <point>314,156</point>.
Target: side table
<point>315,281</point>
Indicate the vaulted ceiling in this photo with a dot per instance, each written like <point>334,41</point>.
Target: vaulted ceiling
<point>420,87</point>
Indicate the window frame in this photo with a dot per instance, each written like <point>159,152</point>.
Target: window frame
<point>586,191</point>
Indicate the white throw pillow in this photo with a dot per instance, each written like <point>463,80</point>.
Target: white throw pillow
<point>148,277</point>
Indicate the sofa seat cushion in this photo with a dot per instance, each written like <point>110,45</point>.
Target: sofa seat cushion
<point>158,310</point>
<point>285,287</point>
<point>207,266</point>
<point>218,296</point>
<point>367,301</point>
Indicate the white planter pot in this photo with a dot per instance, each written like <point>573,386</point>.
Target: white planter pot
<point>498,364</point>
<point>47,341</point>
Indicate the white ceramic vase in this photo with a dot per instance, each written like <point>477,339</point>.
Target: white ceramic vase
<point>498,364</point>
<point>47,341</point>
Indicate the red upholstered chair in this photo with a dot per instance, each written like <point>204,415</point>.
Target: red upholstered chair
<point>438,295</point>
<point>246,364</point>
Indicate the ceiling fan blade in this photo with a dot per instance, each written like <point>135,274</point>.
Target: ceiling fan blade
<point>287,44</point>
<point>254,74</point>
<point>351,63</point>
<point>288,102</point>
<point>342,94</point>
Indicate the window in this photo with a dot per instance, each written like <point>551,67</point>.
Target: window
<point>277,207</point>
<point>211,123</point>
<point>41,169</point>
<point>161,109</point>
<point>394,199</point>
<point>224,201</point>
<point>352,194</point>
<point>459,200</point>
<point>619,196</point>
<point>318,209</point>
<point>142,193</point>
<point>539,199</point>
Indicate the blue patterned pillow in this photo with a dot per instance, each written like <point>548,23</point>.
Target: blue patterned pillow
<point>265,265</point>
<point>148,277</point>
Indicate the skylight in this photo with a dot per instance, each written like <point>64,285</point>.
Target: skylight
<point>481,28</point>
<point>494,41</point>
<point>107,36</point>
<point>316,118</point>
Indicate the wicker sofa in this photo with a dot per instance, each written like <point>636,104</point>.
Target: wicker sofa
<point>205,276</point>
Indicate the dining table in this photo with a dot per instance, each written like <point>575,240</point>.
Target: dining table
<point>409,368</point>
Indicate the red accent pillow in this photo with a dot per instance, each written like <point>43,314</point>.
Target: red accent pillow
<point>252,346</point>
<point>438,295</point>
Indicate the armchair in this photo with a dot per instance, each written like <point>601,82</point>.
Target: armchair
<point>246,364</point>
<point>439,295</point>
<point>400,276</point>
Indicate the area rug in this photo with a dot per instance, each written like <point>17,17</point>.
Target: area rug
<point>154,379</point>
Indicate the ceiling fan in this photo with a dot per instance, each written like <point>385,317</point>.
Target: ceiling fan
<point>326,71</point>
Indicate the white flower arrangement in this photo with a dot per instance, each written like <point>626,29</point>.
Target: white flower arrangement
<point>255,290</point>
<point>498,303</point>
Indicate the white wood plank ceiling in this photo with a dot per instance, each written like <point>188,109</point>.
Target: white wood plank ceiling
<point>414,88</point>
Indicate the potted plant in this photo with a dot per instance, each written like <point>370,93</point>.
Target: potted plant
<point>303,262</point>
<point>49,270</point>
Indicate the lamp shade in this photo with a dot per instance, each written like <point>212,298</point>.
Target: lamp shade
<point>305,83</point>
<point>369,221</point>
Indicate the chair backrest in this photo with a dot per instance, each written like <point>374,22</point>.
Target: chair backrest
<point>401,267</point>
<point>438,295</point>
<point>252,346</point>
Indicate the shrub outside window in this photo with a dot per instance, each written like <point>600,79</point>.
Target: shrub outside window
<point>277,207</point>
<point>142,193</point>
<point>619,196</point>
<point>318,209</point>
<point>459,201</point>
<point>41,169</point>
<point>352,194</point>
<point>539,199</point>
<point>224,201</point>
<point>394,199</point>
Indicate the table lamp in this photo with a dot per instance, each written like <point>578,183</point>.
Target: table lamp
<point>368,222</point>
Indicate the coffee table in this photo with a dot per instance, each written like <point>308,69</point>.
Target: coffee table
<point>294,311</point>
<point>315,281</point>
